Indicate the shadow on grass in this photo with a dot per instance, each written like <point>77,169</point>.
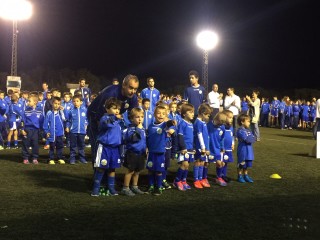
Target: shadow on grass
<point>159,218</point>
<point>302,155</point>
<point>296,136</point>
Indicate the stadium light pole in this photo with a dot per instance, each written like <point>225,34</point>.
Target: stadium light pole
<point>15,10</point>
<point>206,40</point>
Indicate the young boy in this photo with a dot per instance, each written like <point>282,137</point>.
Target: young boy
<point>244,150</point>
<point>148,115</point>
<point>53,128</point>
<point>32,121</point>
<point>185,138</point>
<point>3,118</point>
<point>76,125</point>
<point>67,105</point>
<point>135,140</point>
<point>108,150</point>
<point>156,143</point>
<point>202,145</point>
<point>216,130</point>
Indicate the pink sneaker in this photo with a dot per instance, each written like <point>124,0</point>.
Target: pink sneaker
<point>35,161</point>
<point>179,186</point>
<point>25,161</point>
<point>221,182</point>
<point>186,186</point>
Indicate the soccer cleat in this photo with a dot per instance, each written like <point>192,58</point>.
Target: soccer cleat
<point>136,190</point>
<point>186,186</point>
<point>151,189</point>
<point>46,147</point>
<point>95,192</point>
<point>113,192</point>
<point>15,147</point>
<point>197,184</point>
<point>61,161</point>
<point>221,182</point>
<point>8,147</point>
<point>83,161</point>
<point>72,162</point>
<point>35,161</point>
<point>25,161</point>
<point>51,162</point>
<point>205,183</point>
<point>226,179</point>
<point>241,179</point>
<point>157,191</point>
<point>127,192</point>
<point>179,186</point>
<point>247,178</point>
<point>165,184</point>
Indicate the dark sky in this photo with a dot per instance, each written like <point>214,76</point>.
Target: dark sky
<point>263,43</point>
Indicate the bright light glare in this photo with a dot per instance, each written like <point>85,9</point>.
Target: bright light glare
<point>15,9</point>
<point>207,40</point>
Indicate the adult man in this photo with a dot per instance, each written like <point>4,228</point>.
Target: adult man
<point>254,113</point>
<point>215,99</point>
<point>316,127</point>
<point>151,93</point>
<point>195,93</point>
<point>125,92</point>
<point>85,92</point>
<point>45,89</point>
<point>232,102</point>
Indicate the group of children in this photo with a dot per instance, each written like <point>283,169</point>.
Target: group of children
<point>171,130</point>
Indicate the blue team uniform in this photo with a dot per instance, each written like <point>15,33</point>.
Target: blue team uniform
<point>3,111</point>
<point>85,93</point>
<point>216,142</point>
<point>312,113</point>
<point>228,142</point>
<point>147,119</point>
<point>244,107</point>
<point>153,95</point>
<point>15,112</point>
<point>201,138</point>
<point>185,138</point>
<point>245,149</point>
<point>275,108</point>
<point>305,112</point>
<point>195,96</point>
<point>265,110</point>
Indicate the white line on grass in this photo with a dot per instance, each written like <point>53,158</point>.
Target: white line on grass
<point>286,141</point>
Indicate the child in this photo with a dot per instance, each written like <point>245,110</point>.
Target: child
<point>202,145</point>
<point>185,139</point>
<point>134,161</point>
<point>3,118</point>
<point>77,125</point>
<point>156,143</point>
<point>67,106</point>
<point>216,130</point>
<point>53,128</point>
<point>108,149</point>
<point>228,144</point>
<point>15,112</point>
<point>148,115</point>
<point>32,121</point>
<point>245,150</point>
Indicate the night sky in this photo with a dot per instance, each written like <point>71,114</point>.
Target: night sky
<point>263,43</point>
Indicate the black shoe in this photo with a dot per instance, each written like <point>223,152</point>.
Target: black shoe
<point>166,185</point>
<point>226,179</point>
<point>157,191</point>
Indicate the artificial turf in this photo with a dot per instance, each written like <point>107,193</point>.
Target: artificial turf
<point>53,201</point>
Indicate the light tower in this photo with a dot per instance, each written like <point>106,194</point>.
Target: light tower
<point>206,40</point>
<point>15,10</point>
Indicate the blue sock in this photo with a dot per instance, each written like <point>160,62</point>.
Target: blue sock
<point>224,170</point>
<point>104,180</point>
<point>205,172</point>
<point>159,180</point>
<point>164,175</point>
<point>184,175</point>
<point>15,142</point>
<point>111,181</point>
<point>219,172</point>
<point>200,174</point>
<point>196,173</point>
<point>97,180</point>
<point>179,175</point>
<point>151,178</point>
<point>8,143</point>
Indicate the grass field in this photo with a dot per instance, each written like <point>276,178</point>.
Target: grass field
<point>53,201</point>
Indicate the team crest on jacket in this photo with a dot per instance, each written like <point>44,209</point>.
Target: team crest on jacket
<point>225,157</point>
<point>159,130</point>
<point>150,164</point>
<point>154,95</point>
<point>103,162</point>
<point>220,132</point>
<point>200,92</point>
<point>83,114</point>
<point>126,105</point>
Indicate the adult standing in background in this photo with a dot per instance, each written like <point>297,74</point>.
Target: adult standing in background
<point>45,89</point>
<point>254,112</point>
<point>232,102</point>
<point>85,92</point>
<point>316,127</point>
<point>215,100</point>
<point>195,93</point>
<point>151,93</point>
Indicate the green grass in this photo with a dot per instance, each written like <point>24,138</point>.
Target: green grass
<point>53,202</point>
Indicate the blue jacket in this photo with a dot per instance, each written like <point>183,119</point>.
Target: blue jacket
<point>3,110</point>
<point>77,120</point>
<point>15,112</point>
<point>245,140</point>
<point>135,139</point>
<point>53,124</point>
<point>153,95</point>
<point>216,139</point>
<point>109,131</point>
<point>32,118</point>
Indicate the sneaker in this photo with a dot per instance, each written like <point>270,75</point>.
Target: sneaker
<point>113,192</point>
<point>1,147</point>
<point>226,179</point>
<point>186,186</point>
<point>8,147</point>
<point>151,189</point>
<point>95,192</point>
<point>25,161</point>
<point>157,191</point>
<point>35,161</point>
<point>83,161</point>
<point>247,178</point>
<point>136,190</point>
<point>241,179</point>
<point>72,162</point>
<point>127,192</point>
<point>15,147</point>
<point>221,182</point>
<point>179,186</point>
<point>165,184</point>
<point>51,162</point>
<point>205,183</point>
<point>30,148</point>
<point>61,161</point>
<point>197,184</point>
<point>46,147</point>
